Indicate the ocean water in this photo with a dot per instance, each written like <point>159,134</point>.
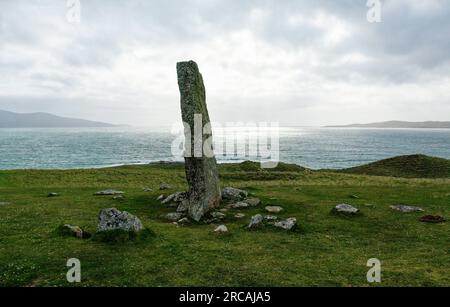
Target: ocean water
<point>315,148</point>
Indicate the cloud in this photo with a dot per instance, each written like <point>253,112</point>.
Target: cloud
<point>296,62</point>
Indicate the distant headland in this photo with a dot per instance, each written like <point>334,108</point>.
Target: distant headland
<point>44,120</point>
<point>399,124</point>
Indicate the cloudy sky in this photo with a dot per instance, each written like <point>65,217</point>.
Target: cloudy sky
<point>290,61</point>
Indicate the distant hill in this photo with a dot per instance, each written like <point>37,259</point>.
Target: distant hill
<point>414,166</point>
<point>398,124</point>
<point>43,120</point>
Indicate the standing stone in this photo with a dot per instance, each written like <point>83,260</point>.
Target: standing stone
<point>201,166</point>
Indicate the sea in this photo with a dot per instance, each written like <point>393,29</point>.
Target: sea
<point>312,147</point>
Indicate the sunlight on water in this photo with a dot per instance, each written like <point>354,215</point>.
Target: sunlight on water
<point>310,147</point>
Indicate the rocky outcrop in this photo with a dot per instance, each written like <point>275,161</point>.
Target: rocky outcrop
<point>201,167</point>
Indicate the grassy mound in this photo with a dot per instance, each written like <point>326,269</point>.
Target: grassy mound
<point>414,166</point>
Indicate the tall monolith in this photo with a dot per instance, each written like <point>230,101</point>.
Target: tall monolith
<point>200,163</point>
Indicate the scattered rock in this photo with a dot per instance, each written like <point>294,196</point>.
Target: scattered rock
<point>174,216</point>
<point>183,206</point>
<point>218,215</point>
<point>175,197</point>
<point>108,192</point>
<point>256,221</point>
<point>288,224</point>
<point>160,197</point>
<point>73,231</point>
<point>223,210</point>
<point>221,229</point>
<point>164,186</point>
<point>274,209</point>
<point>119,197</point>
<point>239,215</point>
<point>253,201</point>
<point>113,219</point>
<point>184,221</point>
<point>238,205</point>
<point>147,189</point>
<point>436,219</point>
<point>354,196</point>
<point>406,209</point>
<point>232,194</point>
<point>345,209</point>
<point>270,218</point>
<point>52,194</point>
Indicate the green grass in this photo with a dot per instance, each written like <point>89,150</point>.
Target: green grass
<point>328,251</point>
<point>414,166</point>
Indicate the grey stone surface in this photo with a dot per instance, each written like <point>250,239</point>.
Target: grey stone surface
<point>201,166</point>
<point>288,224</point>
<point>218,215</point>
<point>274,209</point>
<point>256,221</point>
<point>232,194</point>
<point>239,205</point>
<point>252,201</point>
<point>164,186</point>
<point>239,215</point>
<point>270,218</point>
<point>113,219</point>
<point>109,192</point>
<point>221,229</point>
<point>346,209</point>
<point>406,209</point>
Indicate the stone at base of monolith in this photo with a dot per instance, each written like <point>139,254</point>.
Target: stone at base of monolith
<point>200,164</point>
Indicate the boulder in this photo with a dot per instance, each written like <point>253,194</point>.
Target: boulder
<point>232,194</point>
<point>345,209</point>
<point>239,215</point>
<point>113,219</point>
<point>406,209</point>
<point>108,192</point>
<point>288,224</point>
<point>160,197</point>
<point>270,218</point>
<point>256,221</point>
<point>200,163</point>
<point>274,209</point>
<point>52,194</point>
<point>221,229</point>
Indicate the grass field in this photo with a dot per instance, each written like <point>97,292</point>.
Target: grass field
<point>328,251</point>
